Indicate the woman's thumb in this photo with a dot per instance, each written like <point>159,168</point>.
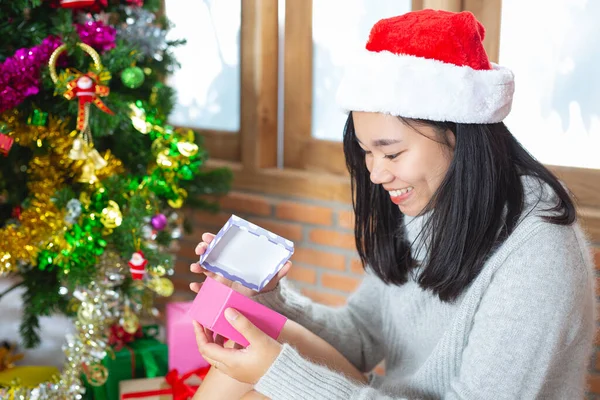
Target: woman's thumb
<point>242,324</point>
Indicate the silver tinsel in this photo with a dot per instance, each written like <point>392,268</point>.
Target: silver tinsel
<point>73,211</point>
<point>140,30</point>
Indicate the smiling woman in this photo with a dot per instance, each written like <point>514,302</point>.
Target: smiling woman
<point>479,280</point>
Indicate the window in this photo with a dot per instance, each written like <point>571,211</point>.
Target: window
<point>319,37</point>
<point>554,56</point>
<point>208,82</point>
<point>340,27</point>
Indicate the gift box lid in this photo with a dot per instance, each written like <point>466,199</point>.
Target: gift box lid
<point>246,253</point>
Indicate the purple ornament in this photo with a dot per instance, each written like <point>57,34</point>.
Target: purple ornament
<point>159,222</point>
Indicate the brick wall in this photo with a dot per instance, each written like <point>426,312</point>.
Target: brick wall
<point>326,267</point>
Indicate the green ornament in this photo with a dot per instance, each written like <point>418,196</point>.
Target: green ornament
<point>4,128</point>
<point>186,173</point>
<point>132,77</point>
<point>38,118</point>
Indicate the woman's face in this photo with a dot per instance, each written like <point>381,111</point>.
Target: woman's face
<point>410,165</point>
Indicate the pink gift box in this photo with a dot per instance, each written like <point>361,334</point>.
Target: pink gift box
<point>181,338</point>
<point>250,255</point>
<point>214,298</point>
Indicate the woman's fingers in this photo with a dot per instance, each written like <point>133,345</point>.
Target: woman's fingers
<point>199,269</point>
<point>202,337</point>
<point>282,272</point>
<point>196,268</point>
<point>220,340</point>
<point>195,286</point>
<point>201,248</point>
<point>203,245</point>
<point>207,237</point>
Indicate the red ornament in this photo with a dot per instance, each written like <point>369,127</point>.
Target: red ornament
<point>5,144</point>
<point>119,338</point>
<point>76,3</point>
<point>16,212</point>
<point>137,266</point>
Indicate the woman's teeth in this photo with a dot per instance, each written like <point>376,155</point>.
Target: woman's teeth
<point>396,193</point>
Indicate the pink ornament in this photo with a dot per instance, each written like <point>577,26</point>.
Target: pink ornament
<point>159,222</point>
<point>137,266</point>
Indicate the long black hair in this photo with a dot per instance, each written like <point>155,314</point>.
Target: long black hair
<point>476,207</point>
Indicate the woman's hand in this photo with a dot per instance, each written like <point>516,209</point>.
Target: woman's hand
<point>197,268</point>
<point>244,365</point>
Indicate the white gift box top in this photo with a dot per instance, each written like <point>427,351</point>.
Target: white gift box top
<point>246,253</point>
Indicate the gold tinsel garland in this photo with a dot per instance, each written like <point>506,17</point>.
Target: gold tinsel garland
<point>41,223</point>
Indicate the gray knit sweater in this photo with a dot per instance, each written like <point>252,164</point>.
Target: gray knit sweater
<point>522,330</point>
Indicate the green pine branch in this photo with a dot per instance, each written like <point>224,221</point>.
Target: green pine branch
<point>41,298</point>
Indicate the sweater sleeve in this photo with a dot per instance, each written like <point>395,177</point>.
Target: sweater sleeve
<point>291,377</point>
<point>354,329</point>
<point>530,338</point>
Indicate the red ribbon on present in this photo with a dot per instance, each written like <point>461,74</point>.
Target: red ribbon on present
<point>118,337</point>
<point>86,88</point>
<point>179,389</point>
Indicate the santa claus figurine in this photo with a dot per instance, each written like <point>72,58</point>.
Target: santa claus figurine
<point>86,89</point>
<point>137,265</point>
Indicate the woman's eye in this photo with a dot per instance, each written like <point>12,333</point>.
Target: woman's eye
<point>392,156</point>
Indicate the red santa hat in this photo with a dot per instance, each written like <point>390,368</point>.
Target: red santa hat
<point>430,65</point>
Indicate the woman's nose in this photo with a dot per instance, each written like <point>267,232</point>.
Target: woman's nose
<point>380,174</point>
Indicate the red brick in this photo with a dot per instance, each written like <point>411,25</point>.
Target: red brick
<point>356,266</point>
<point>246,203</point>
<point>325,298</point>
<point>182,284</point>
<point>597,257</point>
<point>304,213</point>
<point>215,220</point>
<point>187,248</point>
<point>340,282</point>
<point>346,219</point>
<point>597,366</point>
<point>597,337</point>
<point>289,231</point>
<point>319,258</point>
<point>301,274</point>
<point>597,286</point>
<point>332,238</point>
<point>182,266</point>
<point>593,381</point>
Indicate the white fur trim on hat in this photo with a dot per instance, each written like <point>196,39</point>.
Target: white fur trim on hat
<point>416,87</point>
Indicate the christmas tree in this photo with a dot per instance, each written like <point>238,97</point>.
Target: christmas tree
<point>92,178</point>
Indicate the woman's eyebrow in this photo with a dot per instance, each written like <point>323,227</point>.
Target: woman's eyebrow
<point>381,142</point>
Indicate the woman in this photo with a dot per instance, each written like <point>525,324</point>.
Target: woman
<point>479,282</point>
